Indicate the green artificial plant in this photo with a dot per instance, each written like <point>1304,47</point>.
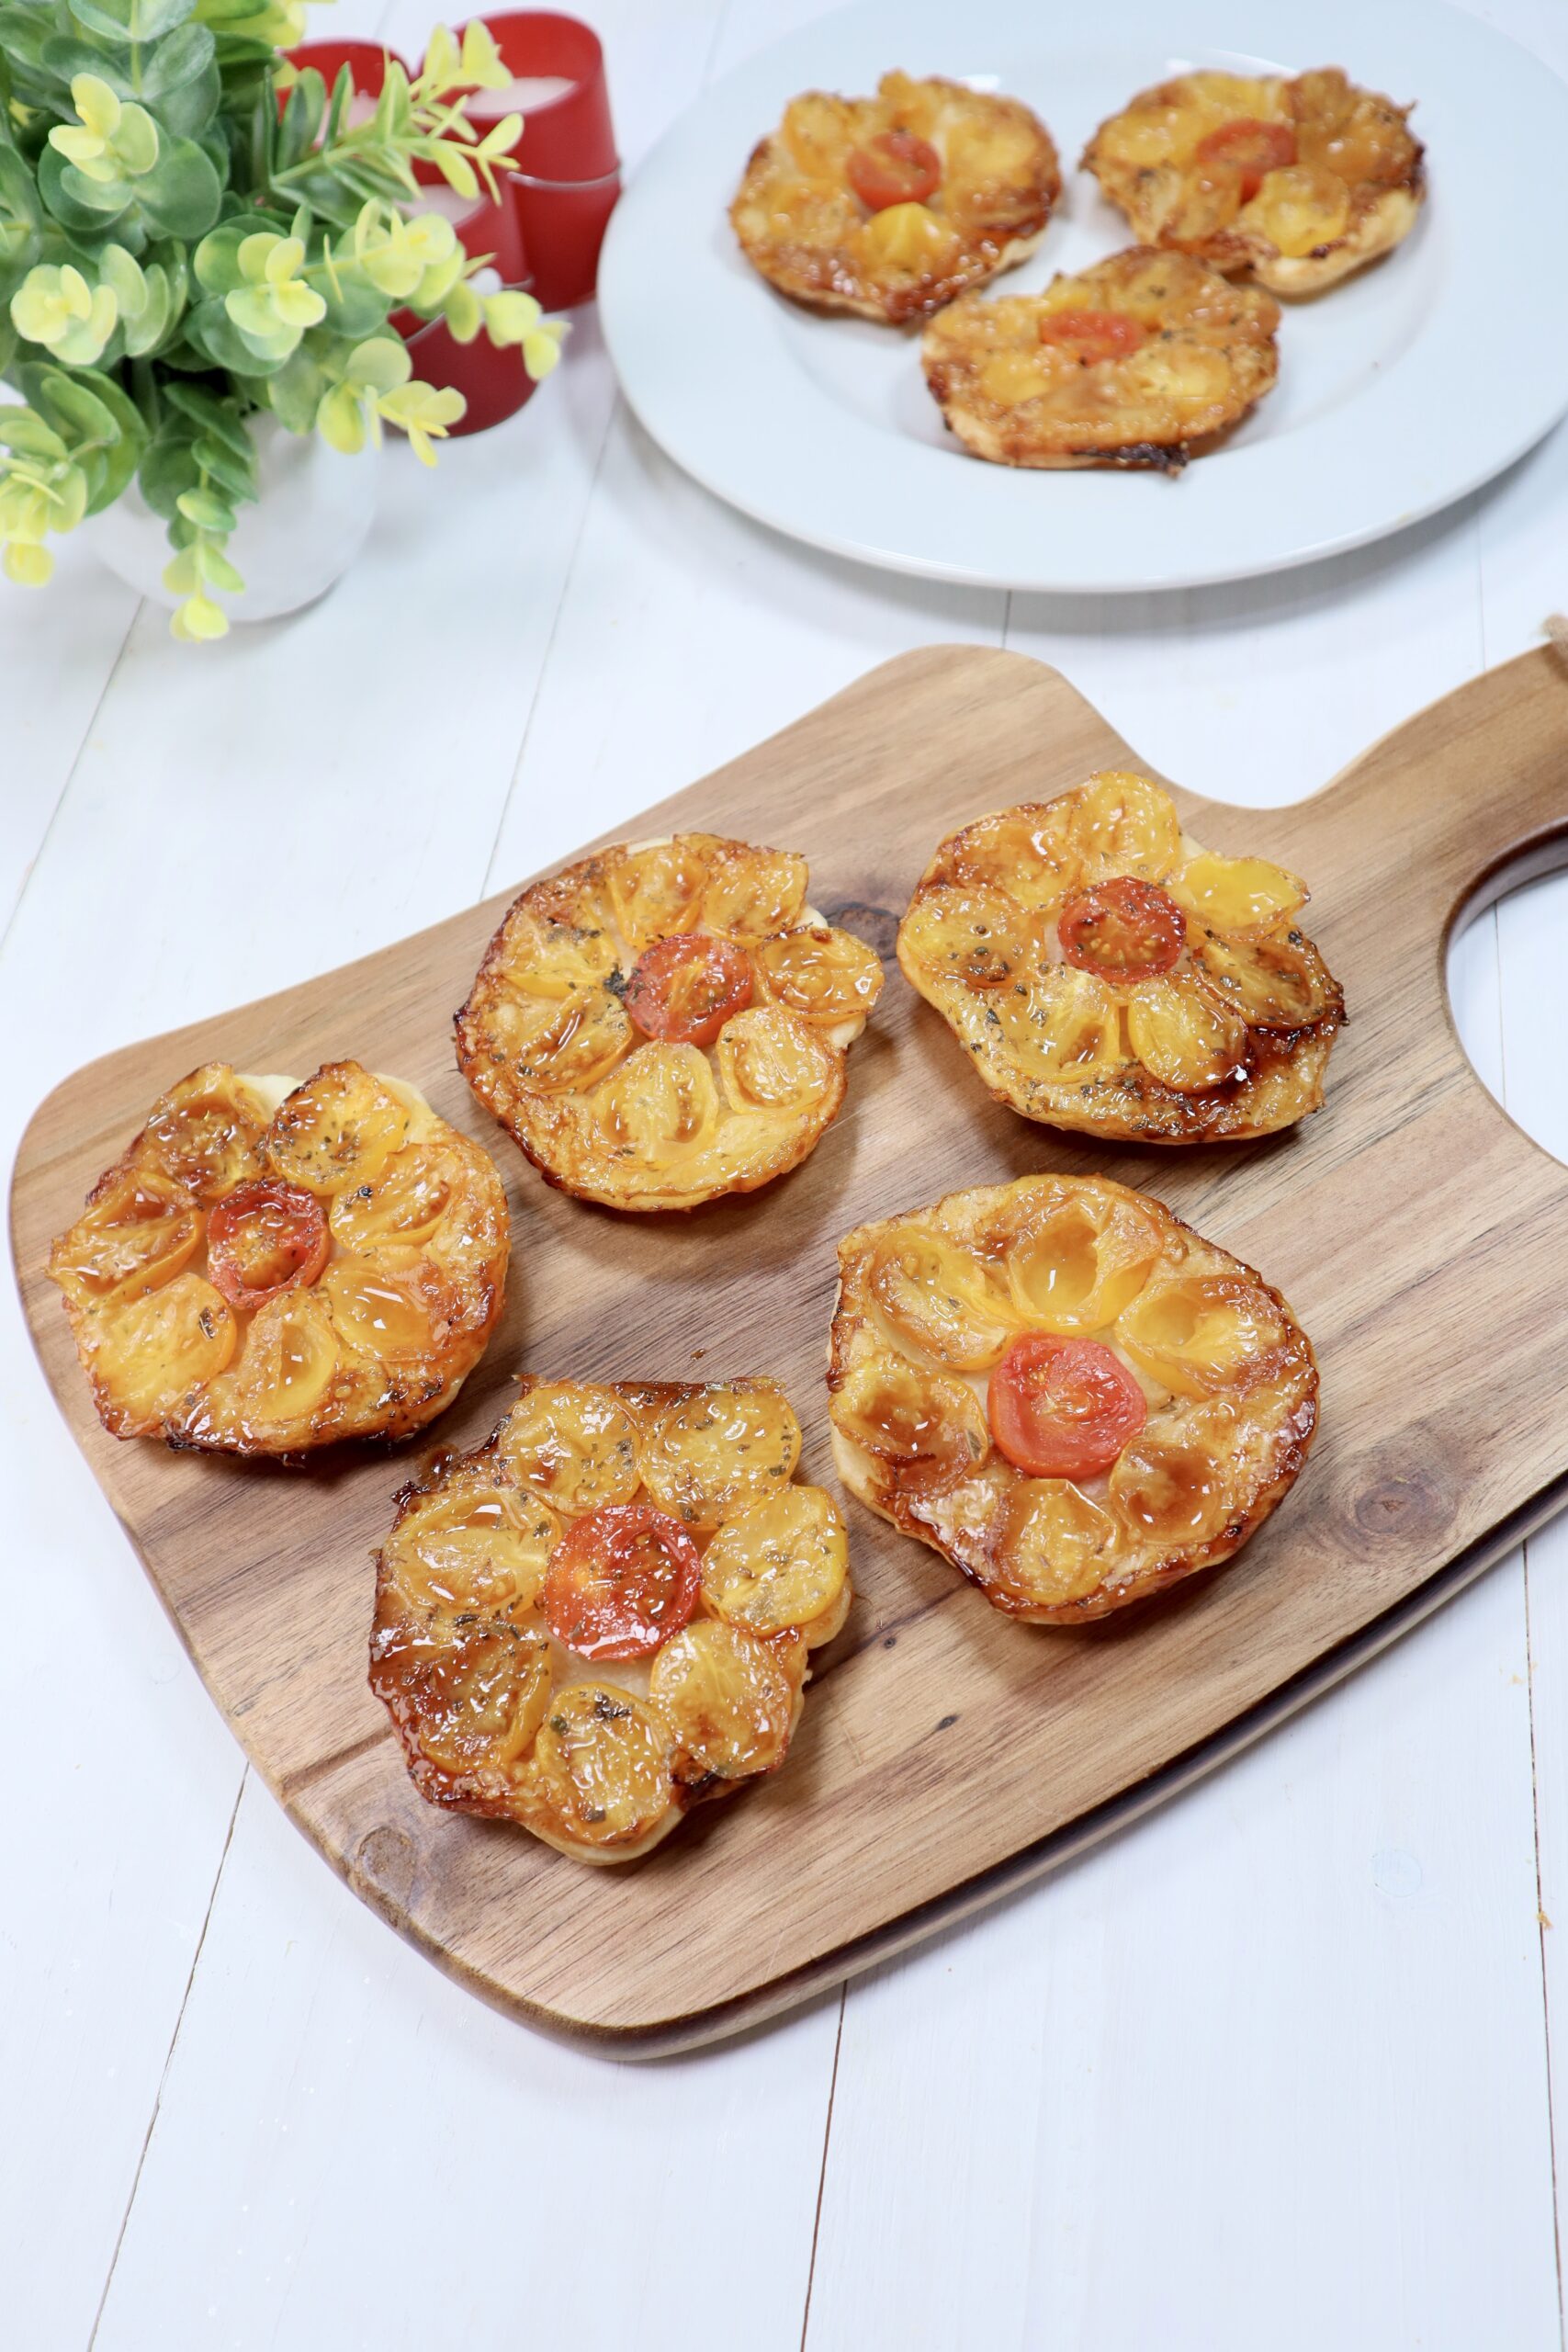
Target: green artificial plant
<point>182,247</point>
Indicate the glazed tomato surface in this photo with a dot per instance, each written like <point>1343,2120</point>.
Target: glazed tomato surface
<point>266,1237</point>
<point>684,989</point>
<point>896,167</point>
<point>1254,148</point>
<point>1062,1408</point>
<point>621,1581</point>
<point>1092,334</point>
<point>1123,929</point>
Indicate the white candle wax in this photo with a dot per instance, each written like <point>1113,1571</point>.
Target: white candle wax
<point>445,200</point>
<point>524,95</point>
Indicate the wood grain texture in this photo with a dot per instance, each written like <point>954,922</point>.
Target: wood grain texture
<point>944,1753</point>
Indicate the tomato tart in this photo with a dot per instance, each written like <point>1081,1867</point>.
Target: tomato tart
<point>1299,180</point>
<point>888,206</point>
<point>1106,973</point>
<point>1142,361</point>
<point>1065,1391</point>
<point>606,1612</point>
<point>271,1267</point>
<point>664,1023</point>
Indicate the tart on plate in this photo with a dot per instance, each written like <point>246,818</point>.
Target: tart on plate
<point>1140,361</point>
<point>661,1024</point>
<point>1299,180</point>
<point>1105,973</point>
<point>1065,1391</point>
<point>272,1267</point>
<point>606,1613</point>
<point>890,205</point>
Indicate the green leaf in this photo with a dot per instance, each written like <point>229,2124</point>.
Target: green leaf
<point>217,259</point>
<point>206,509</point>
<point>76,201</point>
<point>132,20</point>
<point>209,329</point>
<point>216,569</point>
<point>180,81</point>
<point>65,57</point>
<point>217,417</point>
<point>220,466</point>
<point>86,405</point>
<point>355,307</point>
<point>167,470</point>
<point>295,392</point>
<point>23,430</point>
<point>302,119</point>
<point>182,195</point>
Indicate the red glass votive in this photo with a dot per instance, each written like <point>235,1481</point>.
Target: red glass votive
<point>558,86</point>
<point>562,223</point>
<point>366,61</point>
<point>494,383</point>
<point>568,175</point>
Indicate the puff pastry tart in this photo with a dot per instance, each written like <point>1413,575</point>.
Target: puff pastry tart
<point>271,1267</point>
<point>1108,974</point>
<point>1065,1391</point>
<point>1140,361</point>
<point>890,205</point>
<point>605,1614</point>
<point>1301,181</point>
<point>661,1024</point>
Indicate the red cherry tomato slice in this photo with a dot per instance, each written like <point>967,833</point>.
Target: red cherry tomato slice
<point>1123,929</point>
<point>1062,1408</point>
<point>265,1237</point>
<point>1092,334</point>
<point>621,1581</point>
<point>896,167</point>
<point>684,989</point>
<point>1254,148</point>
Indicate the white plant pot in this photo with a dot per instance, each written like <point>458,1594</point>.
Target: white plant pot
<point>313,516</point>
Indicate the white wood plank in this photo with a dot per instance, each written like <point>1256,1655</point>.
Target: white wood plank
<point>1265,2071</point>
<point>687,633</point>
<point>351,2151</point>
<point>58,648</point>
<point>1532,926</point>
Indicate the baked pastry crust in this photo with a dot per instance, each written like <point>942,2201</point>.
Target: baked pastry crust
<point>927,1305</point>
<point>597,1752</point>
<point>801,223</point>
<point>1229,1039</point>
<point>1200,354</point>
<point>1350,190</point>
<point>550,1041</point>
<point>388,1229</point>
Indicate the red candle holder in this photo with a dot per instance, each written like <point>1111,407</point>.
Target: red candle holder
<point>494,383</point>
<point>366,61</point>
<point>568,176</point>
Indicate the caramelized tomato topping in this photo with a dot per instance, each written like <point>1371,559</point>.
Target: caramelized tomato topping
<point>1092,334</point>
<point>684,989</point>
<point>1252,148</point>
<point>621,1581</point>
<point>1123,929</point>
<point>896,167</point>
<point>266,1237</point>
<point>1062,1408</point>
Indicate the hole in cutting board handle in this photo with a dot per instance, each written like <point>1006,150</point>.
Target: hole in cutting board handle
<point>1507,970</point>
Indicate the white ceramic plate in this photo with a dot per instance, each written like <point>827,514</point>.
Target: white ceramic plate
<point>1399,390</point>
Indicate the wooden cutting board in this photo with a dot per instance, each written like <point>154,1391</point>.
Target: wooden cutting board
<point>946,1754</point>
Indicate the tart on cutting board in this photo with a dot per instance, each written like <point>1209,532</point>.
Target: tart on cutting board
<point>1106,973</point>
<point>888,206</point>
<point>665,1022</point>
<point>1299,180</point>
<point>606,1613</point>
<point>1065,1391</point>
<point>271,1267</point>
<point>1140,361</point>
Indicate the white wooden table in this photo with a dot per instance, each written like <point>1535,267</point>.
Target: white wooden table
<point>1271,2073</point>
